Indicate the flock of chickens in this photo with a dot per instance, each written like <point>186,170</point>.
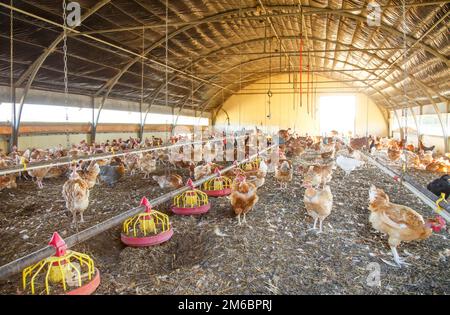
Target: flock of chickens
<point>399,222</point>
<point>420,157</point>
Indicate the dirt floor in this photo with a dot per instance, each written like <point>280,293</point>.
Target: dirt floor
<point>211,254</point>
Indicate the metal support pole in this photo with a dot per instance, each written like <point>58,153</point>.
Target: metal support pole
<point>92,139</point>
<point>141,131</point>
<point>14,139</point>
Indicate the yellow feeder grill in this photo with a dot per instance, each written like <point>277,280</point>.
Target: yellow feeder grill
<point>147,228</point>
<point>250,166</point>
<point>219,186</point>
<point>190,202</point>
<point>68,270</point>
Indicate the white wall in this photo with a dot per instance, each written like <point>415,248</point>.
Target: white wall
<point>251,110</point>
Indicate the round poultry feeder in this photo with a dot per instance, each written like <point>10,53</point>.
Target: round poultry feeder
<point>250,166</point>
<point>148,228</point>
<point>191,202</point>
<point>67,272</point>
<point>219,186</point>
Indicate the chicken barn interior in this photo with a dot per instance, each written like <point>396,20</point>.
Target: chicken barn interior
<point>321,128</point>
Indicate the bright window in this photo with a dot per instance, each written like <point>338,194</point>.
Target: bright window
<point>51,113</point>
<point>429,123</point>
<point>5,112</point>
<point>117,117</point>
<point>47,113</point>
<point>337,112</point>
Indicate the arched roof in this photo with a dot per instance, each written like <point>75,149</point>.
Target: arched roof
<point>212,44</point>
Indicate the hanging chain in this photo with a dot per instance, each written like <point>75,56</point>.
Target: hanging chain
<point>405,108</point>
<point>66,85</point>
<point>142,78</point>
<point>192,85</point>
<point>166,60</point>
<point>11,52</point>
<point>240,63</point>
<point>269,93</point>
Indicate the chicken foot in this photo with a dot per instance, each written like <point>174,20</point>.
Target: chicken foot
<point>314,226</point>
<point>397,258</point>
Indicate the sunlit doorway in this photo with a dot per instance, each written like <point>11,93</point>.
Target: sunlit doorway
<point>337,112</point>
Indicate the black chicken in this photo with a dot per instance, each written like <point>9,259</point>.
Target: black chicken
<point>424,148</point>
<point>440,185</point>
<point>110,174</point>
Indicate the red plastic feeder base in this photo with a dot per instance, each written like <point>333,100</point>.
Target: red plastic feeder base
<point>147,240</point>
<point>89,287</point>
<point>189,211</point>
<point>218,193</point>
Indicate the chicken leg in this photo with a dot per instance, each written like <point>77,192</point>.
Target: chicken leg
<point>239,219</point>
<point>320,225</point>
<point>74,220</point>
<point>393,243</point>
<point>397,258</point>
<point>81,217</point>
<point>314,226</point>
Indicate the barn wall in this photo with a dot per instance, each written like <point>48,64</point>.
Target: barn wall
<point>3,144</point>
<point>369,118</point>
<point>248,111</point>
<point>44,135</point>
<point>47,141</point>
<point>428,125</point>
<point>428,141</point>
<point>51,140</point>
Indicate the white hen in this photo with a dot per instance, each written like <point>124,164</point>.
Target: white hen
<point>348,164</point>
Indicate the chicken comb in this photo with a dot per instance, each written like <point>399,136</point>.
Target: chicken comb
<point>441,220</point>
<point>146,204</point>
<point>190,183</point>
